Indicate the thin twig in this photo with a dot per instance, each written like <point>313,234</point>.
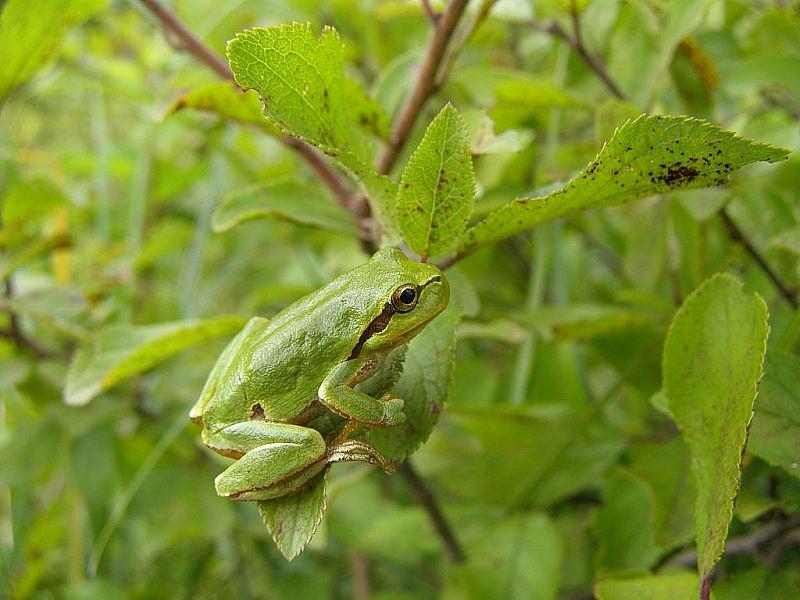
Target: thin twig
<point>432,15</point>
<point>743,544</point>
<point>577,44</point>
<point>455,554</point>
<point>194,46</point>
<point>425,84</point>
<point>190,42</point>
<point>737,235</point>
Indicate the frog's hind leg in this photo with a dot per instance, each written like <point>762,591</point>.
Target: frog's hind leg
<point>271,453</point>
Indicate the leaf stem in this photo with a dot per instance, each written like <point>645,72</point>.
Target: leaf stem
<point>425,85</point>
<point>453,549</point>
<point>194,46</point>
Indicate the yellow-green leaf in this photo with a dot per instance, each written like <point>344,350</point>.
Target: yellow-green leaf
<point>30,33</point>
<point>293,201</point>
<point>673,586</point>
<point>712,362</point>
<point>225,100</point>
<point>120,351</point>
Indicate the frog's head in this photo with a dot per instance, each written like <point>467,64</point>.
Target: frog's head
<point>412,294</point>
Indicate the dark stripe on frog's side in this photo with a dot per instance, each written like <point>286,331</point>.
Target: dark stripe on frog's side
<point>377,325</point>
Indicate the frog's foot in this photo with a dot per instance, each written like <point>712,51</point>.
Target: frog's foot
<point>357,450</point>
<point>273,456</point>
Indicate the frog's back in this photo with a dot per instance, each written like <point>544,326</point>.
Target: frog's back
<point>280,364</point>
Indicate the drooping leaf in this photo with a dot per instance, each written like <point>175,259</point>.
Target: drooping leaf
<point>437,190</point>
<point>712,362</point>
<point>293,201</point>
<point>775,432</point>
<point>292,520</point>
<point>301,82</point>
<point>673,586</point>
<point>650,155</point>
<point>29,38</point>
<point>223,99</point>
<point>424,386</point>
<point>120,351</point>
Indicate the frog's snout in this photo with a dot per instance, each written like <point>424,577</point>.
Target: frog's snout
<point>436,293</point>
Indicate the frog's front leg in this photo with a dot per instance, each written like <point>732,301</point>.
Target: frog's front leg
<point>337,393</point>
<point>271,453</point>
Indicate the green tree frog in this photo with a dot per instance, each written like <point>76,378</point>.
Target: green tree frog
<point>277,375</point>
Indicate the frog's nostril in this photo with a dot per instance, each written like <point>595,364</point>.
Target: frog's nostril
<point>436,279</point>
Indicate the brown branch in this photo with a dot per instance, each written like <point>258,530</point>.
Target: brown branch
<point>737,235</point>
<point>189,41</point>
<point>194,46</point>
<point>362,588</point>
<point>425,85</point>
<point>743,544</point>
<point>455,554</point>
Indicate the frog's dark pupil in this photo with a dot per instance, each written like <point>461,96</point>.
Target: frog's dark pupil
<point>407,296</point>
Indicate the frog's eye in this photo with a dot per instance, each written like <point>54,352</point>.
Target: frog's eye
<point>405,298</point>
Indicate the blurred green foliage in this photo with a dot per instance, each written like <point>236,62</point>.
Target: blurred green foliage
<point>147,212</point>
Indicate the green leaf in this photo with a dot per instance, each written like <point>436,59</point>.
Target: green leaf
<point>624,525</point>
<point>524,102</point>
<point>775,432</point>
<point>120,351</point>
<point>437,189</point>
<point>424,385</point>
<point>650,155</point>
<point>292,520</point>
<point>665,468</point>
<point>516,458</point>
<point>292,201</point>
<point>301,82</point>
<point>484,140</point>
<point>520,557</point>
<point>29,38</point>
<point>712,362</point>
<point>674,586</point>
<point>759,583</point>
<point>227,101</point>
